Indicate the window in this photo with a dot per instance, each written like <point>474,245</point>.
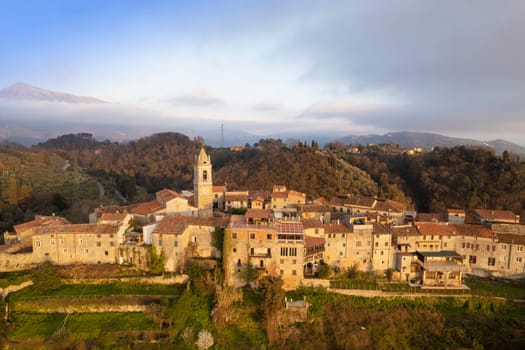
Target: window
<point>281,261</point>
<point>520,248</point>
<point>340,253</point>
<point>445,244</point>
<point>234,235</point>
<point>492,261</point>
<point>111,235</point>
<point>519,259</point>
<point>175,243</point>
<point>86,250</point>
<point>205,175</point>
<point>99,244</point>
<point>269,252</point>
<point>269,236</point>
<point>468,245</point>
<point>488,248</point>
<point>160,242</point>
<point>80,241</point>
<point>52,241</point>
<point>472,259</point>
<point>106,253</point>
<point>386,244</point>
<point>294,261</point>
<point>111,244</point>
<point>344,244</point>
<point>377,244</point>
<point>477,246</point>
<point>503,247</point>
<point>98,235</point>
<point>281,272</point>
<point>65,250</point>
<point>294,272</point>
<point>284,251</point>
<point>252,251</point>
<point>37,244</point>
<point>293,251</point>
<point>343,235</point>
<point>381,252</point>
<point>235,250</point>
<point>463,245</point>
<point>252,235</point>
<point>493,248</point>
<point>358,243</point>
<point>61,242</point>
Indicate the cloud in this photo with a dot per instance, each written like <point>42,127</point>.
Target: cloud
<point>198,98</point>
<point>267,106</point>
<point>451,64</point>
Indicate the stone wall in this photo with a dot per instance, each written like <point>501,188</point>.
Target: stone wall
<point>15,262</point>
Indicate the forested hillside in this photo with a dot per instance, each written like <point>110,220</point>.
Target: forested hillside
<point>155,162</point>
<point>166,160</point>
<point>458,177</point>
<point>301,167</point>
<point>41,182</point>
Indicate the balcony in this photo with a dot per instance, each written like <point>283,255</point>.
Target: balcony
<point>440,266</point>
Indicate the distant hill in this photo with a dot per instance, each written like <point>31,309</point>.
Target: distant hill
<point>301,167</point>
<point>22,91</point>
<point>429,140</point>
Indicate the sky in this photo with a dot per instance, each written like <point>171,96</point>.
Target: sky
<point>455,67</point>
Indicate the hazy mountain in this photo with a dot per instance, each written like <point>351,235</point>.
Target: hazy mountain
<point>22,91</point>
<point>428,141</point>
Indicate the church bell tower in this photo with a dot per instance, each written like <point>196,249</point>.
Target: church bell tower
<point>203,184</point>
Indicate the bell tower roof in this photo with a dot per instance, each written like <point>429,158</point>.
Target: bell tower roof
<point>203,158</point>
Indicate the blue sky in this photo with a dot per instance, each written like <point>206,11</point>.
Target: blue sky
<point>346,67</point>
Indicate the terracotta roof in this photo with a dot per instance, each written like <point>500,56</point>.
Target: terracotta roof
<point>380,228</point>
<point>436,228</point>
<point>236,197</point>
<point>320,201</point>
<point>279,195</point>
<point>296,194</point>
<point>405,230</point>
<point>495,215</point>
<point>508,228</point>
<point>177,224</point>
<point>147,208</point>
<point>473,230</point>
<point>389,205</point>
<point>360,201</point>
<point>312,223</point>
<point>41,221</point>
<point>336,228</point>
<point>314,208</point>
<point>431,217</point>
<point>310,242</point>
<point>512,239</point>
<point>289,227</point>
<point>258,214</point>
<point>108,209</point>
<point>113,216</point>
<point>258,194</point>
<point>77,228</point>
<point>219,188</point>
<point>399,206</point>
<point>166,195</point>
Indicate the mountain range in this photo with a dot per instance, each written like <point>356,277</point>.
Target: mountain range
<point>29,115</point>
<point>22,91</point>
<point>428,141</point>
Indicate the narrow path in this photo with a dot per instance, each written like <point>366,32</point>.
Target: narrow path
<point>100,190</point>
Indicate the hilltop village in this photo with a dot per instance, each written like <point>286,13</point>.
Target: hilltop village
<point>279,233</point>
